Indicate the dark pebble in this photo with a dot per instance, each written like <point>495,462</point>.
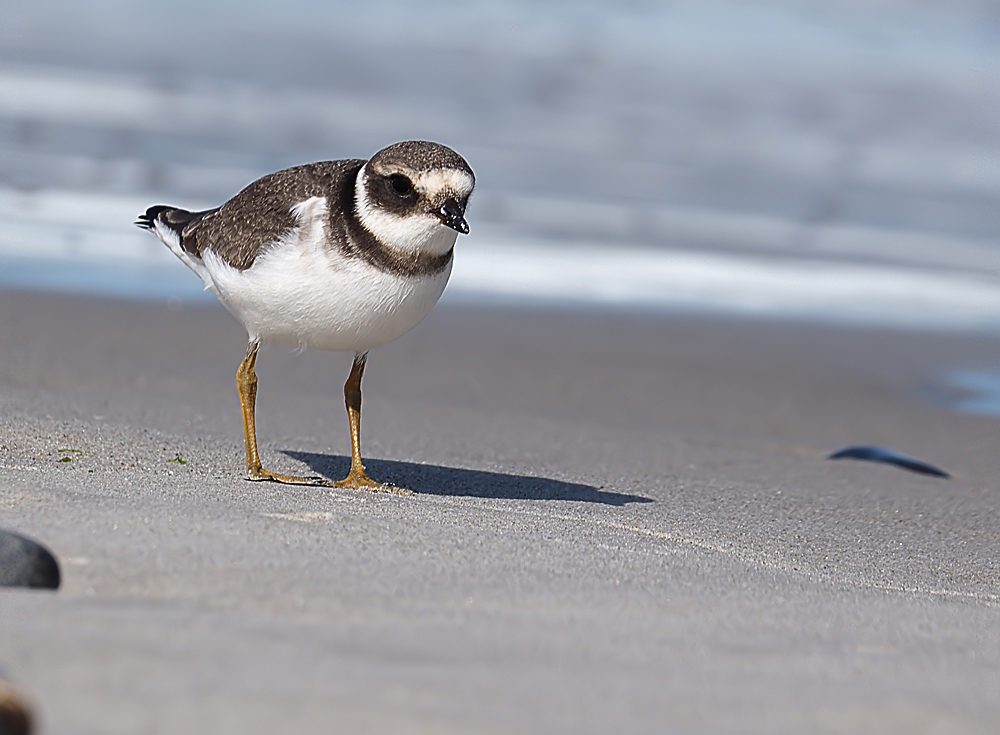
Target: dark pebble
<point>26,563</point>
<point>15,717</point>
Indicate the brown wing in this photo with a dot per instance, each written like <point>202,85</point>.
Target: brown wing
<point>258,216</point>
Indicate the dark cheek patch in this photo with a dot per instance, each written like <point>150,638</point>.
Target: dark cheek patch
<point>383,196</point>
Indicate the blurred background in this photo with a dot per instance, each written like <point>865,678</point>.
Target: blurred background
<point>793,157</point>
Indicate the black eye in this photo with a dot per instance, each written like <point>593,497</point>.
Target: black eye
<point>400,184</point>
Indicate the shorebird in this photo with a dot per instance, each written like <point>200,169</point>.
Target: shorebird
<point>340,255</point>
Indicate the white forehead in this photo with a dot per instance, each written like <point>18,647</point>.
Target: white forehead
<point>443,179</point>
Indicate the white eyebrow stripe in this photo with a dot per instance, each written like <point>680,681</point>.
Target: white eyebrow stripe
<point>450,179</point>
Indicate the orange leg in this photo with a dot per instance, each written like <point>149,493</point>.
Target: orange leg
<point>246,381</point>
<point>357,477</point>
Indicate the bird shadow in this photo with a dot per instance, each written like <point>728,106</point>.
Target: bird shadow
<point>453,481</point>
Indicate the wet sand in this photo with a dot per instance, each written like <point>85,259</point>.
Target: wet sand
<point>625,523</point>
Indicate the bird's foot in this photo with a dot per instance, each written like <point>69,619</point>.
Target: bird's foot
<point>358,480</point>
<point>259,474</point>
<point>354,481</point>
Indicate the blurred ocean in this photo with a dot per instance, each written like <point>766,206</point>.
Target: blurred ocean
<point>794,158</point>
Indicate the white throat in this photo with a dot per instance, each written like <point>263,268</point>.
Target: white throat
<point>415,234</point>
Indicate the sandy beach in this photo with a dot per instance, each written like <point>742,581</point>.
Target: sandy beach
<point>625,522</point>
<point>625,519</point>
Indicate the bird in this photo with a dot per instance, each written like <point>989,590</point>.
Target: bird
<point>343,255</point>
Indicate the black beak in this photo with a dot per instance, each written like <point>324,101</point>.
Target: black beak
<point>452,214</point>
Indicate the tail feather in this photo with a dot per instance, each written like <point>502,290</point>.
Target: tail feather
<point>147,218</point>
<point>176,227</point>
<point>178,230</point>
<point>174,218</point>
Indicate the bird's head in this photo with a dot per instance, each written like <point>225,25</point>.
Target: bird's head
<point>413,195</point>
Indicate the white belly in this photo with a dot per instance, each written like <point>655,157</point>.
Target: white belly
<point>301,293</point>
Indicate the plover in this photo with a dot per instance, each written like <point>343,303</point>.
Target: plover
<point>339,255</point>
